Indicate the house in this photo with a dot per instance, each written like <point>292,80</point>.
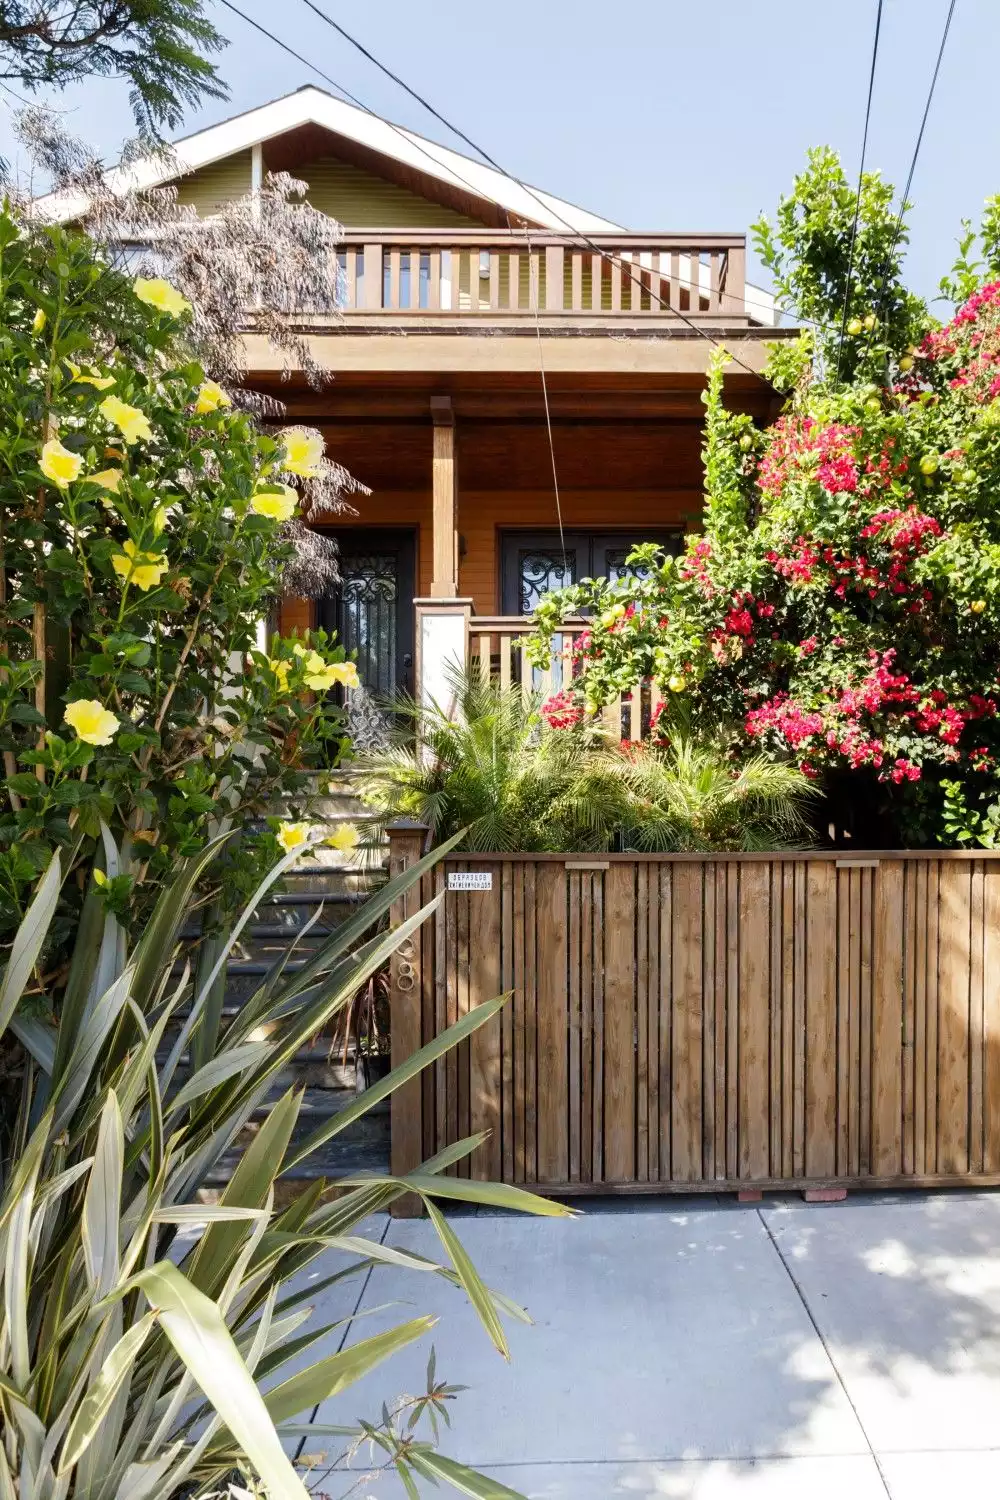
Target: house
<point>517,380</point>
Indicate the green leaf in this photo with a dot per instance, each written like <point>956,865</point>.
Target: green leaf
<point>409,1069</point>
<point>328,1377</point>
<point>435,1466</point>
<point>97,1403</point>
<point>477,1293</point>
<point>196,1329</point>
<point>102,1201</point>
<point>28,942</point>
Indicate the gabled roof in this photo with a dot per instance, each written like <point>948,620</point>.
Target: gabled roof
<point>311,106</point>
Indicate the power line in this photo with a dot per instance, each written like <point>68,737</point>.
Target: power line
<point>916,152</point>
<point>861,178</point>
<point>624,265</point>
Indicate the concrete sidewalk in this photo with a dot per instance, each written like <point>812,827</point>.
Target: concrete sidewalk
<point>701,1350</point>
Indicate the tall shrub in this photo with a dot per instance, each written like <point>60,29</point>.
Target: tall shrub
<point>143,538</point>
<point>841,608</point>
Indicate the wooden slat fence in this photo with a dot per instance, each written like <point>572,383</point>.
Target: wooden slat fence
<point>682,1023</point>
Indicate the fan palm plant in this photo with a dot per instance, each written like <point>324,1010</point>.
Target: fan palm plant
<point>137,1365</point>
<point>692,798</point>
<point>488,765</point>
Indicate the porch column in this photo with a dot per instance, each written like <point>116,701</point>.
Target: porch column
<point>442,637</point>
<point>444,578</point>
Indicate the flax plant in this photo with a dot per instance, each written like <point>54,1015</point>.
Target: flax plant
<point>138,1362</point>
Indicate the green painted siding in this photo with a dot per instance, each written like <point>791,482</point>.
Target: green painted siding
<point>361,200</point>
<point>213,187</point>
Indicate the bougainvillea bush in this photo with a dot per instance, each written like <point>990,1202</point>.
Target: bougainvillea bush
<point>144,533</point>
<point>841,608</point>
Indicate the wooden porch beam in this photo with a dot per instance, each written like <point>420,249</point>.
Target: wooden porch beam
<point>444,579</point>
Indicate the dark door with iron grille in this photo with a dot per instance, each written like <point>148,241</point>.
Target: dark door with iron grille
<point>533,563</point>
<point>371,608</point>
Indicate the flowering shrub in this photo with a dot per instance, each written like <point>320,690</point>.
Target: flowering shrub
<point>842,608</point>
<point>142,542</point>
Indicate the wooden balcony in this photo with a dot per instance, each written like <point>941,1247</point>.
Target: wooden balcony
<point>481,277</point>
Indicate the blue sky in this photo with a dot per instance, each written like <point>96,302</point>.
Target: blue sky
<point>658,114</point>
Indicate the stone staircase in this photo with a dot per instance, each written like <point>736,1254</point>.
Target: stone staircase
<point>331,887</point>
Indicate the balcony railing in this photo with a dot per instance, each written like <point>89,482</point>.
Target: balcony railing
<point>495,650</point>
<point>497,276</point>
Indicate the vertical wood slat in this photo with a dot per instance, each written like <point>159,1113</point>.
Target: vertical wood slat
<point>485,1045</point>
<point>666,1003</point>
<point>953,1017</point>
<point>434,281</point>
<point>761,1020</point>
<point>642,1020</point>
<point>552,1024</point>
<point>415,279</point>
<point>596,282</point>
<point>574,897</point>
<point>616,286</point>
<point>619,1024</point>
<point>507,1024</point>
<point>514,281</point>
<point>887,1020</point>
<point>991,1019</point>
<point>587,1028</point>
<point>686,1059</point>
<point>598,1044</point>
<point>754,1020</point>
<point>576,281</point>
<point>394,265</point>
<point>976,1018</point>
<point>554,278</point>
<point>494,302</point>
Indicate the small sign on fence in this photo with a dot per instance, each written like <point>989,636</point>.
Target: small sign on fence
<point>470,880</point>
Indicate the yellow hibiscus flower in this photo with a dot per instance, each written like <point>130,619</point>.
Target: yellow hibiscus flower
<point>280,670</point>
<point>91,378</point>
<point>108,479</point>
<point>39,321</point>
<point>211,397</point>
<point>319,675</point>
<point>300,650</point>
<point>277,507</point>
<point>94,724</point>
<point>144,569</point>
<point>303,452</point>
<point>293,835</point>
<point>346,672</point>
<point>132,423</point>
<point>161,295</point>
<point>346,838</point>
<point>59,464</point>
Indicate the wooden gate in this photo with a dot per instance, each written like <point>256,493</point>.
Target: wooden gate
<point>680,1023</point>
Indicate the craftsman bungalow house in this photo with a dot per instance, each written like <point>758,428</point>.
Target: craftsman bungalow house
<point>461,288</point>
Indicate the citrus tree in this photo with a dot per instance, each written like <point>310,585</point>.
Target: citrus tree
<point>145,524</point>
<point>841,608</point>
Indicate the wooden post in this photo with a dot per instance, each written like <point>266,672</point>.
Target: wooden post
<point>444,580</point>
<point>373,277</point>
<point>735,291</point>
<point>406,842</point>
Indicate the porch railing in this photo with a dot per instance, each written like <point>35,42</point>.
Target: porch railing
<point>501,275</point>
<point>496,650</point>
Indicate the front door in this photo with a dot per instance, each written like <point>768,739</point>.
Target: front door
<point>371,608</point>
<point>533,563</point>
